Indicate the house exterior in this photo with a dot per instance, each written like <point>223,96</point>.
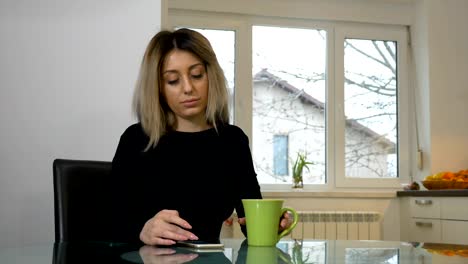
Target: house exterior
<point>286,120</point>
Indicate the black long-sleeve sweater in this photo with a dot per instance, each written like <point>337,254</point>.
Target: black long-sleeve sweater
<point>203,175</point>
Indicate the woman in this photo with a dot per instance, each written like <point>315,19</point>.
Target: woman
<point>182,169</point>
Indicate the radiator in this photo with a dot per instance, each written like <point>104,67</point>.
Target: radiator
<point>342,225</point>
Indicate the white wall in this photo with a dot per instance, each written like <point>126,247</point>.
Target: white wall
<point>393,12</point>
<point>67,71</point>
<point>448,79</point>
<point>440,38</point>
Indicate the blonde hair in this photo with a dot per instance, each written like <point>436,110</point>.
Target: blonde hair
<point>149,104</point>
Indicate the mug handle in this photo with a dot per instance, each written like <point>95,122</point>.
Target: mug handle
<point>293,224</point>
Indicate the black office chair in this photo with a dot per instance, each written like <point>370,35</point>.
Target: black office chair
<point>82,200</point>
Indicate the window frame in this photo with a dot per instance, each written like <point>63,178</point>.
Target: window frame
<point>381,32</point>
<point>242,26</point>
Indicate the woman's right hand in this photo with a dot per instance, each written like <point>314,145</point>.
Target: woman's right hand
<point>165,228</point>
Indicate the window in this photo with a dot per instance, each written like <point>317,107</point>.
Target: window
<point>307,252</point>
<point>337,92</point>
<point>289,97</point>
<point>372,255</point>
<point>370,93</point>
<point>225,55</point>
<point>280,155</point>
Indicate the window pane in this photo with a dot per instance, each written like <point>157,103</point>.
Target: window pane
<point>370,108</point>
<point>307,252</point>
<point>372,255</point>
<point>280,154</point>
<point>289,99</point>
<point>223,42</point>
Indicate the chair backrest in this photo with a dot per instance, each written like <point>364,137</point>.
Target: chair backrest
<point>82,200</point>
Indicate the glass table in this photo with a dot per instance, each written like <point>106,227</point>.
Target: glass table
<point>237,251</point>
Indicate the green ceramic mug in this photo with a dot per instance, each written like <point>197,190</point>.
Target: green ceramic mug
<point>262,218</point>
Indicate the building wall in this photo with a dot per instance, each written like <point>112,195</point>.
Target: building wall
<point>278,112</point>
<point>286,116</point>
<point>67,73</point>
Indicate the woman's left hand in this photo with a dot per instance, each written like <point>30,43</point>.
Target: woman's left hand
<point>229,221</point>
<point>286,221</point>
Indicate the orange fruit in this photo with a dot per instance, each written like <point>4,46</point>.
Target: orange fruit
<point>448,175</point>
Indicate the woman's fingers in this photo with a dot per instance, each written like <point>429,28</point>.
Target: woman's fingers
<point>229,221</point>
<point>151,250</point>
<point>284,223</point>
<point>173,217</point>
<point>165,228</point>
<point>174,229</point>
<point>155,255</point>
<point>162,241</point>
<point>177,233</point>
<point>149,236</point>
<point>162,251</point>
<point>286,220</point>
<point>180,258</point>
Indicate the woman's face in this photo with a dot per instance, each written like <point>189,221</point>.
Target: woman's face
<point>185,86</point>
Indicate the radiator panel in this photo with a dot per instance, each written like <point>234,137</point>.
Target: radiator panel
<point>321,225</point>
<point>338,225</point>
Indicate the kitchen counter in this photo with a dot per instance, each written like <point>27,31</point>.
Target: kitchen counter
<point>434,193</point>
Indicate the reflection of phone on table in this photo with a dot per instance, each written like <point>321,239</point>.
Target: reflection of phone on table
<point>197,244</point>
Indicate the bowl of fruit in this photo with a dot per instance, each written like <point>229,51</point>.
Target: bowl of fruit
<point>446,249</point>
<point>447,180</point>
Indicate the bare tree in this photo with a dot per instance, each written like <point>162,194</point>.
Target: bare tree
<point>361,152</point>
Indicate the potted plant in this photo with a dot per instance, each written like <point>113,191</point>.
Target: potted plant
<point>298,167</point>
<point>297,255</point>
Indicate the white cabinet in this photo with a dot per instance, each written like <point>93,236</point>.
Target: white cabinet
<point>424,219</point>
<point>454,212</point>
<point>425,207</point>
<point>454,208</point>
<point>436,219</point>
<point>425,230</point>
<point>454,232</point>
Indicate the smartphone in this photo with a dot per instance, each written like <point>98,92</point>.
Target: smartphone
<point>186,250</point>
<point>200,244</point>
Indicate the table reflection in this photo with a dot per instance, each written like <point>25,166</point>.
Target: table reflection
<point>150,255</point>
<point>372,255</point>
<point>237,251</point>
<point>312,251</point>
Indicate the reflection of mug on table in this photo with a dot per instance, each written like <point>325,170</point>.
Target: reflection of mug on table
<point>261,255</point>
<point>266,255</point>
<point>262,218</point>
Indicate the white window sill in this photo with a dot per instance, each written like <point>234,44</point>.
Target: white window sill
<point>328,194</point>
